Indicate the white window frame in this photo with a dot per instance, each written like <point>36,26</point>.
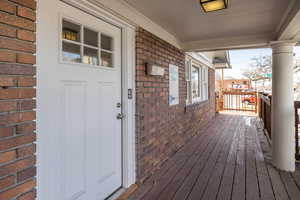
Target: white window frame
<point>199,85</point>
<point>202,82</point>
<point>188,81</point>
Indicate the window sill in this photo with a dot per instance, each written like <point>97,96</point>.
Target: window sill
<point>190,106</point>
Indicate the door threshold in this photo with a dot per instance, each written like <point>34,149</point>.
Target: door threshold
<point>116,194</point>
<point>123,193</point>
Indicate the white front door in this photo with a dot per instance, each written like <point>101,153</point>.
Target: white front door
<point>79,98</point>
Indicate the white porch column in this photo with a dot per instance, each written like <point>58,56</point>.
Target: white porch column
<point>283,128</point>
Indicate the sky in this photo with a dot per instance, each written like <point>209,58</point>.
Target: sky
<point>240,60</point>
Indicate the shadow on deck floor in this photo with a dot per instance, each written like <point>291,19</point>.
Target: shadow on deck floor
<point>231,159</point>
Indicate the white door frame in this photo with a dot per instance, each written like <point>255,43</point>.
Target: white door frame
<point>128,83</point>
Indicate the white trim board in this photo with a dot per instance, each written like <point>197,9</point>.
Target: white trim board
<point>240,42</point>
<point>200,58</point>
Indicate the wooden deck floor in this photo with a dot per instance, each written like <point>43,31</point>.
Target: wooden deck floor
<point>229,160</point>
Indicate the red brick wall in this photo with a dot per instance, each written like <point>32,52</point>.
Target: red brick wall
<point>17,104</point>
<point>161,129</point>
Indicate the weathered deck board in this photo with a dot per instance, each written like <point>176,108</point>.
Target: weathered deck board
<point>280,192</point>
<point>165,180</point>
<point>252,190</point>
<point>189,182</point>
<point>239,184</point>
<point>230,159</point>
<point>225,190</point>
<point>205,175</point>
<point>149,184</point>
<point>296,176</point>
<point>216,177</point>
<point>265,185</point>
<point>171,189</point>
<point>290,185</point>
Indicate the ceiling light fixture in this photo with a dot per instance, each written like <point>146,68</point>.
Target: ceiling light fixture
<point>213,5</point>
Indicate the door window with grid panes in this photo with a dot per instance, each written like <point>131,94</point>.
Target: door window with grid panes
<point>81,44</point>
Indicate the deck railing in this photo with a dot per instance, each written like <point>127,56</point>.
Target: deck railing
<point>265,112</point>
<point>239,101</point>
<point>297,108</point>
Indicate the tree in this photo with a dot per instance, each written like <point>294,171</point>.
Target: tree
<point>260,68</point>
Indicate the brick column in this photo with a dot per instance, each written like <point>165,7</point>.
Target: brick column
<point>17,99</point>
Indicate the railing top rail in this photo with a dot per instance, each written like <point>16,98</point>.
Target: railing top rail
<point>239,93</point>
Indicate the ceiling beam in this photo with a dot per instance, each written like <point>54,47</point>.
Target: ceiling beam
<point>290,27</point>
<point>225,43</point>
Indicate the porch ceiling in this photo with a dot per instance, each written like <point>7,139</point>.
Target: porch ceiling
<point>251,23</point>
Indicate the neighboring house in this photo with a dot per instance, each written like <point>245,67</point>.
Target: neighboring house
<point>82,113</point>
<point>235,84</point>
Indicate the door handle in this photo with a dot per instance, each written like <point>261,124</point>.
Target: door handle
<point>120,116</point>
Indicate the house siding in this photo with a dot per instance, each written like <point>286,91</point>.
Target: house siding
<point>162,129</point>
<point>17,99</point>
